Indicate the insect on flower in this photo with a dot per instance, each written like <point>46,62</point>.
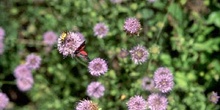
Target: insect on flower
<point>73,44</point>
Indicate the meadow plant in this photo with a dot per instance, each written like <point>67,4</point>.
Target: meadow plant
<point>1,47</point>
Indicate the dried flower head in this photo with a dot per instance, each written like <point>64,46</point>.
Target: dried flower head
<point>164,83</point>
<point>147,83</point>
<point>33,61</point>
<point>50,38</point>
<point>97,67</point>
<point>139,54</point>
<point>69,42</point>
<point>86,105</point>
<point>132,26</point>
<point>95,89</point>
<point>2,34</point>
<point>22,71</point>
<point>25,83</point>
<point>137,103</point>
<point>4,100</point>
<point>123,53</point>
<point>157,102</point>
<point>100,30</point>
<point>214,97</point>
<point>1,47</point>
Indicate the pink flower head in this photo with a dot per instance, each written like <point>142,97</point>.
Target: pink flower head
<point>100,30</point>
<point>164,83</point>
<point>116,1</point>
<point>22,71</point>
<point>86,105</point>
<point>97,67</point>
<point>4,100</point>
<point>157,102</point>
<point>50,38</point>
<point>214,97</point>
<point>33,61</point>
<point>25,84</point>
<point>69,42</point>
<point>137,103</point>
<point>139,54</point>
<point>132,26</point>
<point>95,89</point>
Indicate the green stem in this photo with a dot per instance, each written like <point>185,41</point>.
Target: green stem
<point>78,60</point>
<point>8,82</point>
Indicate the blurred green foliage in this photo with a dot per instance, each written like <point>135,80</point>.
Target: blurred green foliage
<point>186,33</point>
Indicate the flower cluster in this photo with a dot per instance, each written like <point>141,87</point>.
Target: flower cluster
<point>22,73</point>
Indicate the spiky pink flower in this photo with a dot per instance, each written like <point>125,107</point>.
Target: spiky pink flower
<point>95,89</point>
<point>2,34</point>
<point>151,1</point>
<point>132,25</point>
<point>86,105</point>
<point>139,54</point>
<point>147,83</point>
<point>4,100</point>
<point>157,102</point>
<point>33,61</point>
<point>50,38</point>
<point>162,71</point>
<point>100,30</point>
<point>25,83</point>
<point>22,71</point>
<point>123,53</point>
<point>214,97</point>
<point>164,83</point>
<point>69,42</point>
<point>97,67</point>
<point>137,103</point>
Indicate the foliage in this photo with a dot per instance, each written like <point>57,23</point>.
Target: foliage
<point>182,35</point>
